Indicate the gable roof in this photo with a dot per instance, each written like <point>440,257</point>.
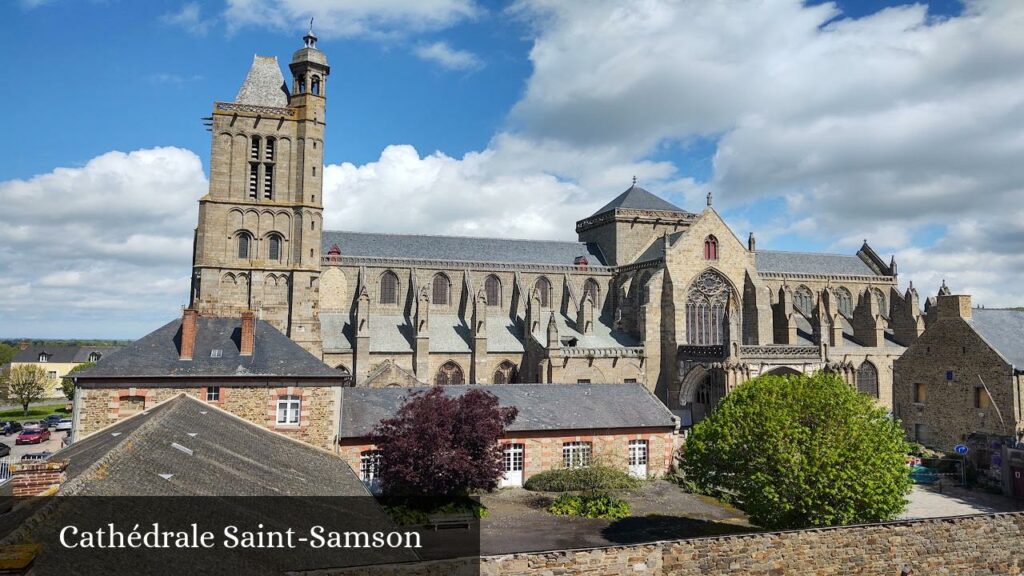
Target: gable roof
<point>156,355</point>
<point>636,198</point>
<point>811,263</point>
<point>264,85</point>
<point>63,354</point>
<point>1003,330</point>
<point>230,457</point>
<point>541,406</point>
<point>460,248</point>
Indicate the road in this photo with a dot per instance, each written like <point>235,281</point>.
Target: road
<point>51,445</point>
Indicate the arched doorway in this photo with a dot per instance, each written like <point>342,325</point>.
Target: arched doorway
<point>701,391</point>
<point>782,371</point>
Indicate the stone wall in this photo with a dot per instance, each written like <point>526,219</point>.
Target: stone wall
<point>101,407</point>
<point>986,544</point>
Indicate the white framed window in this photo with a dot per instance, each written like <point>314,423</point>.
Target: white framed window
<point>638,452</point>
<point>288,408</point>
<point>369,465</point>
<point>514,457</point>
<point>51,374</point>
<point>576,454</point>
<point>213,394</point>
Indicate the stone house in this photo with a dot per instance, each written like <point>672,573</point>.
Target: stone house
<point>243,365</point>
<point>963,375</point>
<point>58,361</point>
<point>558,425</point>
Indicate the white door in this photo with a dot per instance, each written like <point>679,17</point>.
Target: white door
<point>369,470</point>
<point>638,458</point>
<point>513,466</point>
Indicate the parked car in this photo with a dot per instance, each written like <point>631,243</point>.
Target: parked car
<point>52,420</point>
<point>33,436</point>
<point>64,424</point>
<point>36,456</point>
<point>10,427</point>
<point>32,424</point>
<point>5,450</point>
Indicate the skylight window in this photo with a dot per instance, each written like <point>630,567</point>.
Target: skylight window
<point>216,353</point>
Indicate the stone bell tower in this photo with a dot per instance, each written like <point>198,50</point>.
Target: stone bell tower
<point>257,245</point>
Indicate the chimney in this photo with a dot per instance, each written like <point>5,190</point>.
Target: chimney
<point>188,333</point>
<point>248,333</point>
<point>23,345</point>
<point>37,478</point>
<point>955,306</point>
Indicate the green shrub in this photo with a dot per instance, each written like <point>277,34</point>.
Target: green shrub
<point>413,512</point>
<point>602,506</point>
<point>582,479</point>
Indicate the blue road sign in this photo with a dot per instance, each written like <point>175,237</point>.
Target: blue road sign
<point>960,449</point>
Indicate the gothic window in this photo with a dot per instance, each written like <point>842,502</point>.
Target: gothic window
<point>440,289</point>
<point>254,148</point>
<point>710,391</point>
<point>883,307</point>
<point>274,247</point>
<point>244,240</point>
<point>705,309</point>
<point>505,374</point>
<point>268,152</point>
<point>314,86</point>
<point>389,288</point>
<point>867,379</point>
<point>844,301</point>
<point>449,373</point>
<point>591,288</point>
<point>711,248</point>
<point>254,179</point>
<point>543,289</point>
<point>492,289</point>
<point>268,181</point>
<point>803,299</point>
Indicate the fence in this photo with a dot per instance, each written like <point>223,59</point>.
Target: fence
<point>5,471</point>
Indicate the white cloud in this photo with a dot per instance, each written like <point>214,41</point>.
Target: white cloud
<point>349,18</point>
<point>446,56</point>
<point>102,250</point>
<point>190,18</point>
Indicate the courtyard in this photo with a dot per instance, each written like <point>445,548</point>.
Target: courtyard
<point>518,521</point>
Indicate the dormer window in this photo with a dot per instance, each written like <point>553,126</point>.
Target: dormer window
<point>711,248</point>
<point>44,357</point>
<point>94,357</point>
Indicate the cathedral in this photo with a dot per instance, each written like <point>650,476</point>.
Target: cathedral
<point>650,292</point>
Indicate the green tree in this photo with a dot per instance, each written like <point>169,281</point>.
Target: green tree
<point>25,384</point>
<point>801,451</point>
<point>67,384</point>
<point>7,352</point>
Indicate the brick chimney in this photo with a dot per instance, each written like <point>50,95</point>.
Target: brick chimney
<point>37,478</point>
<point>248,333</point>
<point>955,306</point>
<point>188,333</point>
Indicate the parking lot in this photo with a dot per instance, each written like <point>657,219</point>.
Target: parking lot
<point>51,445</point>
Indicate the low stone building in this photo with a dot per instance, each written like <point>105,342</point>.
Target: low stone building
<point>243,365</point>
<point>558,425</point>
<point>962,377</point>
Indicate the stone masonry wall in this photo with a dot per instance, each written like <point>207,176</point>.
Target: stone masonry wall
<point>986,544</point>
<point>100,408</point>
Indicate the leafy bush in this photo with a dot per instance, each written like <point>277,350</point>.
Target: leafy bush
<point>596,477</point>
<point>413,512</point>
<point>801,451</point>
<point>602,506</point>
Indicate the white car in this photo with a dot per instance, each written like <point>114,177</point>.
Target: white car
<point>63,424</point>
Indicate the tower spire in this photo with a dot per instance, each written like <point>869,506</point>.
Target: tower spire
<point>310,38</point>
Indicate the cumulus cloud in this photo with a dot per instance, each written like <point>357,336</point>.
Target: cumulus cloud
<point>189,18</point>
<point>349,18</point>
<point>447,57</point>
<point>102,250</point>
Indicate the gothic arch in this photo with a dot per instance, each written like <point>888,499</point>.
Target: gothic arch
<point>505,373</point>
<point>699,393</point>
<point>492,290</point>
<point>883,304</point>
<point>782,371</point>
<point>388,288</point>
<point>594,289</point>
<point>542,288</point>
<point>440,289</point>
<point>803,299</point>
<point>450,373</point>
<point>707,301</point>
<point>844,301</point>
<point>866,379</point>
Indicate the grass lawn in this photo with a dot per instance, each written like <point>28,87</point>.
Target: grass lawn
<point>34,413</point>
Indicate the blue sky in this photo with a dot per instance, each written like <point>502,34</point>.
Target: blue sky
<point>814,125</point>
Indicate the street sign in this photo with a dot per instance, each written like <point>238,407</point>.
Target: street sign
<point>960,449</point>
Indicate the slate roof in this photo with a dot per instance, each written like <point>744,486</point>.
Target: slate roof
<point>601,336</point>
<point>63,354</point>
<point>460,248</point>
<point>541,406</point>
<point>1003,330</point>
<point>264,85</point>
<point>230,457</point>
<point>657,248</point>
<point>811,263</point>
<point>157,355</point>
<point>636,198</point>
<point>394,333</point>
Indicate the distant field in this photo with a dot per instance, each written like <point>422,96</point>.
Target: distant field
<point>34,412</point>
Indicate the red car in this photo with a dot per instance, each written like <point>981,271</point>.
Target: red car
<point>33,436</point>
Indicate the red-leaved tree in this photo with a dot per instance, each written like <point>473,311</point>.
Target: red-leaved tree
<point>439,446</point>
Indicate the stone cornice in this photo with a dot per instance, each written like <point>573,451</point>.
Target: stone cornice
<point>461,265</point>
<point>777,351</point>
<point>636,216</point>
<point>609,352</point>
<point>836,277</point>
<point>268,204</point>
<point>252,109</point>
